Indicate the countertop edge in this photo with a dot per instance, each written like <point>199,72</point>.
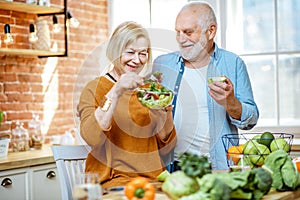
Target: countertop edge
<point>16,160</point>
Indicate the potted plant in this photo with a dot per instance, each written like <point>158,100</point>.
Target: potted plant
<point>4,139</point>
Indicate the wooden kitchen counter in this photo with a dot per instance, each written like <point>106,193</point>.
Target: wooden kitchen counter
<point>288,195</point>
<point>272,195</point>
<point>295,147</point>
<point>16,160</point>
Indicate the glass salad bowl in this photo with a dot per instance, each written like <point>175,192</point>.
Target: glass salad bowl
<point>153,95</point>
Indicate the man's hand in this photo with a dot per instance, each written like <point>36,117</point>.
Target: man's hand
<point>223,94</point>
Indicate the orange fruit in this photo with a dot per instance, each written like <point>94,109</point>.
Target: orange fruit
<point>297,162</point>
<point>241,148</point>
<point>234,153</point>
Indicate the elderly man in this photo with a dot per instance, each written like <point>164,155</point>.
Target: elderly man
<point>204,112</point>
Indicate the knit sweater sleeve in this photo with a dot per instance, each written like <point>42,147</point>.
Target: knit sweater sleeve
<point>166,146</point>
<point>91,97</point>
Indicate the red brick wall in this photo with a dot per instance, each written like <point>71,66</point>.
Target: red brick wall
<point>45,86</point>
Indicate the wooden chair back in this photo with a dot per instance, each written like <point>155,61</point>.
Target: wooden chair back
<point>70,160</point>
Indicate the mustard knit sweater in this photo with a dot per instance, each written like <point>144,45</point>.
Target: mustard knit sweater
<point>131,147</point>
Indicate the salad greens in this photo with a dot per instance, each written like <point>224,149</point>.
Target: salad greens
<point>204,185</point>
<point>155,96</point>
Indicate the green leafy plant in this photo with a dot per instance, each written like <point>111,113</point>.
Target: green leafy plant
<point>1,117</point>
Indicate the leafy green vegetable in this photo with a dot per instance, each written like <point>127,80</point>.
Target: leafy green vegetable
<point>215,186</point>
<point>158,75</point>
<point>154,87</point>
<point>253,184</point>
<point>263,180</point>
<point>242,185</point>
<point>194,165</point>
<point>289,173</point>
<point>274,162</point>
<point>240,194</point>
<point>241,179</point>
<point>178,184</point>
<point>199,195</point>
<point>285,175</point>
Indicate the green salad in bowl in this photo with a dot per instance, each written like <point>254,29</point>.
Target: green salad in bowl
<point>155,96</point>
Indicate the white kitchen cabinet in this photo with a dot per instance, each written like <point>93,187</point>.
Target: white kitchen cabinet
<point>14,184</point>
<point>45,183</point>
<point>30,183</point>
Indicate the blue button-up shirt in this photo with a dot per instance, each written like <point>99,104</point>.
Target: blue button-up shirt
<point>222,62</point>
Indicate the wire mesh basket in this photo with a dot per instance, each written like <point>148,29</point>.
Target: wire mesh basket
<point>252,148</point>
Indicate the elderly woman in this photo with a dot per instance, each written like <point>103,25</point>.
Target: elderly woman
<point>127,139</point>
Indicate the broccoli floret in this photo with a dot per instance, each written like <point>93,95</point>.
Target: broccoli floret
<point>263,179</point>
<point>215,186</point>
<point>194,165</point>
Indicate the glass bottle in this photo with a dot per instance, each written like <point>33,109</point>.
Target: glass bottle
<point>20,138</point>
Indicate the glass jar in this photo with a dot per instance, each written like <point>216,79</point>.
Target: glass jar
<point>20,138</point>
<point>35,132</point>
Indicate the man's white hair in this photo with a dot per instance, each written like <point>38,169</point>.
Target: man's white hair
<point>206,13</point>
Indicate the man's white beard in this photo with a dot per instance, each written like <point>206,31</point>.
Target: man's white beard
<point>192,54</point>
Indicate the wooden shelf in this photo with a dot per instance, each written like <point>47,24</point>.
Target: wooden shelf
<point>39,11</point>
<point>30,52</point>
<point>29,8</point>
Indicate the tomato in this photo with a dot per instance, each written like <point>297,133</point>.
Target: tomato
<point>139,188</point>
<point>155,96</point>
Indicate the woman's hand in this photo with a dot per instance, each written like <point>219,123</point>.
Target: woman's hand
<point>164,121</point>
<point>128,81</point>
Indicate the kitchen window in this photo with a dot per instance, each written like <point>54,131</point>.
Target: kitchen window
<point>263,33</point>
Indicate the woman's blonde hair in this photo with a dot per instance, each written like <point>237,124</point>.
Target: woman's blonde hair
<point>125,34</point>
